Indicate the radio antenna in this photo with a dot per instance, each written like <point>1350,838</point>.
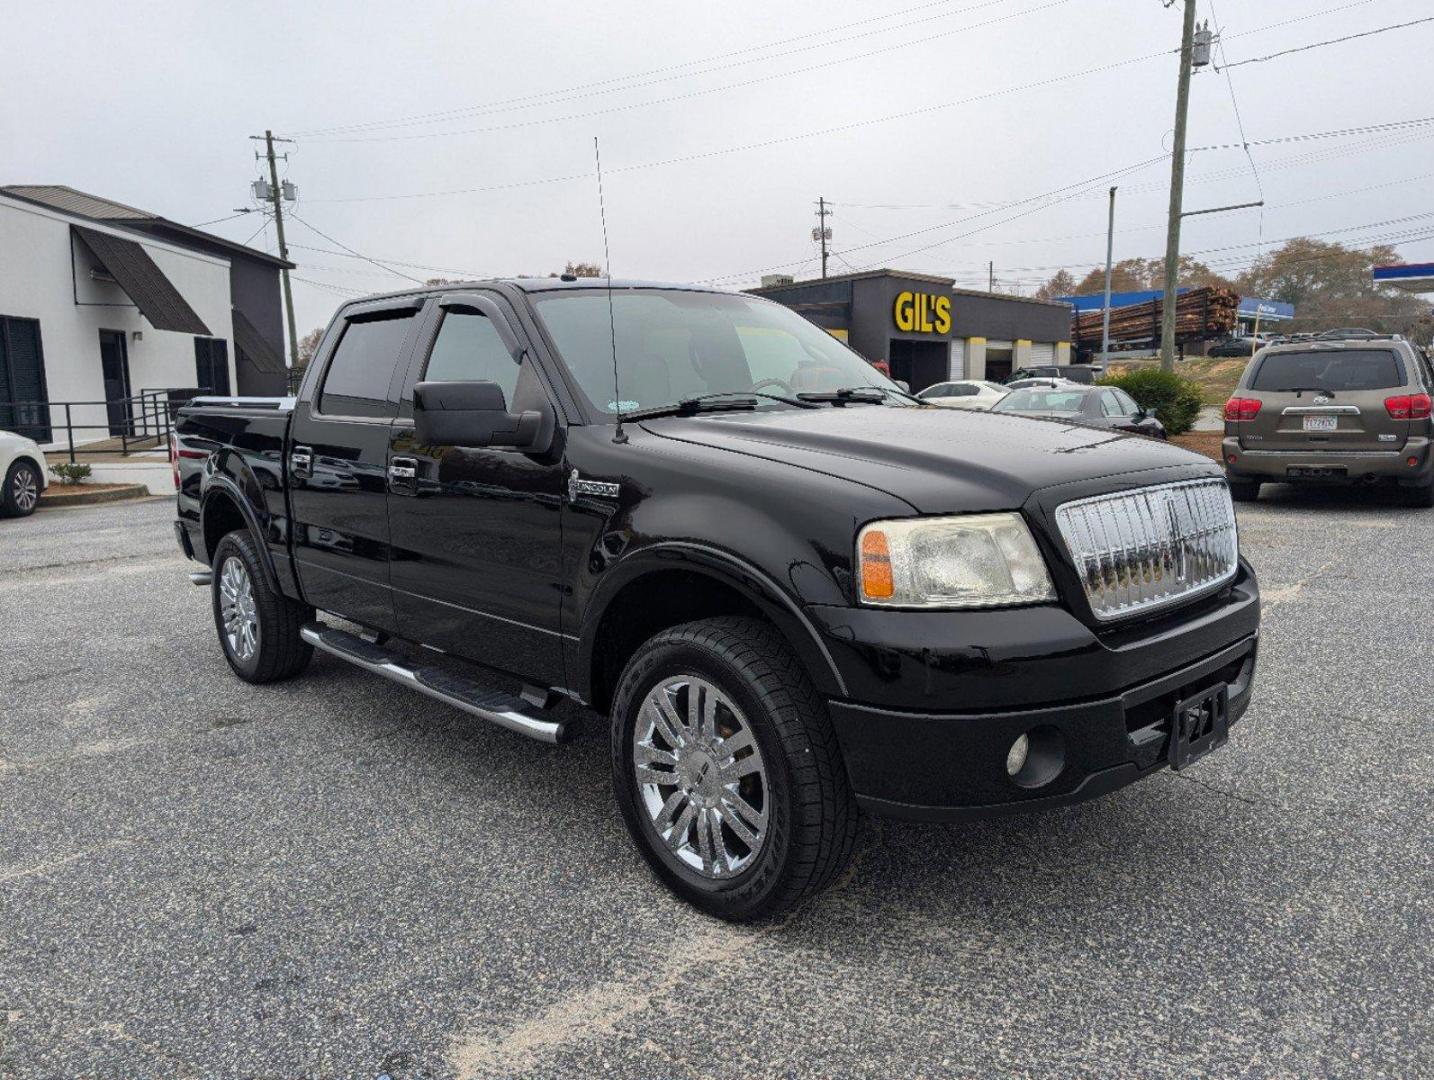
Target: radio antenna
<point>619,436</point>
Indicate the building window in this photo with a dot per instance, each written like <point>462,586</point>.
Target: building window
<point>24,401</point>
<point>211,366</point>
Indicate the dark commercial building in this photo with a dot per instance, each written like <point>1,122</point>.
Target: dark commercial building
<point>928,330</point>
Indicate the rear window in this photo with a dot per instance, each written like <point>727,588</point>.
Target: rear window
<point>363,364</point>
<point>1329,369</point>
<point>1031,399</point>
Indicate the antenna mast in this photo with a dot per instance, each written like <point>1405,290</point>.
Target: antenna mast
<point>619,436</point>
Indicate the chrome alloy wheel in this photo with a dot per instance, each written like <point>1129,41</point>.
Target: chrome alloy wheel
<point>700,776</point>
<point>237,608</point>
<point>25,490</point>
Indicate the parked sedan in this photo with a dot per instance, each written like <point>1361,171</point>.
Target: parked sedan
<point>964,394</point>
<point>1237,346</point>
<point>1094,406</point>
<point>23,466</point>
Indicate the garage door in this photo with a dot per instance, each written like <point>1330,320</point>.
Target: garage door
<point>1043,352</point>
<point>958,358</point>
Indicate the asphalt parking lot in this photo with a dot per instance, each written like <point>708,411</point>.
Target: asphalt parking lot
<point>336,878</point>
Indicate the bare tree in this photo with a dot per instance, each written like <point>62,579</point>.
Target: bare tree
<point>308,345</point>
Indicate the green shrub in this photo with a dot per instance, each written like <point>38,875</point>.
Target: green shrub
<point>70,473</point>
<point>1175,401</point>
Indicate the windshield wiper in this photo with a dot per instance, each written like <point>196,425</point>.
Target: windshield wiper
<point>865,395</point>
<point>716,401</point>
<point>1304,390</point>
<point>721,401</point>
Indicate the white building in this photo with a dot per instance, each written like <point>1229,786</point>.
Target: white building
<point>99,322</point>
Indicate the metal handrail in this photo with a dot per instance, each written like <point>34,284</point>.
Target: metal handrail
<point>152,421</point>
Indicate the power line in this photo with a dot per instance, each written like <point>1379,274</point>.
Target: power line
<point>1331,41</point>
<point>256,232</point>
<point>780,140</point>
<point>542,121</point>
<point>571,93</point>
<point>341,290</point>
<point>356,254</point>
<point>217,221</point>
<point>1043,198</point>
<point>1235,104</point>
<point>1334,133</point>
<point>472,274</point>
<point>802,136</point>
<point>686,65</point>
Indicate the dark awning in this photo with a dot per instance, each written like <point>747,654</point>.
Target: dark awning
<point>153,293</point>
<point>253,345</point>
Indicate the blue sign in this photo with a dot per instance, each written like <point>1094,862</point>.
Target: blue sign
<point>1249,305</point>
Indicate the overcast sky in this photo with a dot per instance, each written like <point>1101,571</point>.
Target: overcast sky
<point>720,125</point>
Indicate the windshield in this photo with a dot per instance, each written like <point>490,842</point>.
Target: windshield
<point>673,345</point>
<point>1329,369</point>
<point>1033,399</point>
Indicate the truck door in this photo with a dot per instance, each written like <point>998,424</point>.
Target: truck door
<point>476,530</point>
<point>338,455</point>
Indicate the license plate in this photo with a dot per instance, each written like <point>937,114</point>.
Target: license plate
<point>1316,472</point>
<point>1321,423</point>
<point>1198,725</point>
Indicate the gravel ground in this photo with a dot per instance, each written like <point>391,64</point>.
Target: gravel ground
<point>336,878</point>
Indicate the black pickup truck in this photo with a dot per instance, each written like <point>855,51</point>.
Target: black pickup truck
<point>795,591</point>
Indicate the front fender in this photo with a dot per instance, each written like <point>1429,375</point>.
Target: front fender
<point>728,569</point>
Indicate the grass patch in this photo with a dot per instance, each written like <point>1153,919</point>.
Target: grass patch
<point>1216,376</point>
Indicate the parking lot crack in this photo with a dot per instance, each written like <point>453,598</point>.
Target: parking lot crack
<point>599,1010</point>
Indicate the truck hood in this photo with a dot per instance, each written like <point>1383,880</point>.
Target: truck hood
<point>937,460</point>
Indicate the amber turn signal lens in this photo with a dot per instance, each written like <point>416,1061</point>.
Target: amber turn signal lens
<point>876,580</point>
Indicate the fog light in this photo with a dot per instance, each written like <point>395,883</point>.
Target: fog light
<point>1016,755</point>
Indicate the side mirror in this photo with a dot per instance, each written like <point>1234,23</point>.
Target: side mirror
<point>470,414</point>
<point>905,386</point>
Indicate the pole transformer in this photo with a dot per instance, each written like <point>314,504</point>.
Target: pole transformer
<point>276,194</point>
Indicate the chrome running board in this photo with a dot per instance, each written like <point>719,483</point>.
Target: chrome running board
<point>201,577</point>
<point>496,706</point>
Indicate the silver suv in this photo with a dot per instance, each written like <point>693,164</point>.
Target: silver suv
<point>1333,412</point>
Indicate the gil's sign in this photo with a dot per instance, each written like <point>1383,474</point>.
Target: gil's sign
<point>923,313</point>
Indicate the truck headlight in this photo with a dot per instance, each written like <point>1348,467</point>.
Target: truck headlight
<point>971,560</point>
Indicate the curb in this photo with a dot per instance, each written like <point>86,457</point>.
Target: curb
<point>93,498</point>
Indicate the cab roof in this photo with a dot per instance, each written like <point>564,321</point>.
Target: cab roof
<point>541,284</point>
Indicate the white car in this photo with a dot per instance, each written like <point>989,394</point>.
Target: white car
<point>964,394</point>
<point>23,465</point>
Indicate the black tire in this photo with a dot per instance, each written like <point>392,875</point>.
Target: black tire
<point>14,503</point>
<point>813,818</point>
<point>1418,496</point>
<point>280,653</point>
<point>1244,490</point>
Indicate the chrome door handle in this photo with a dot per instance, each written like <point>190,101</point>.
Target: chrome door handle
<point>403,475</point>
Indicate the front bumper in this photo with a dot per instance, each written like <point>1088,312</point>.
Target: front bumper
<point>1363,466</point>
<point>932,721</point>
<point>952,767</point>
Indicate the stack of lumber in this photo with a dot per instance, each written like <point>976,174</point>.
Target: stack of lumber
<point>1200,314</point>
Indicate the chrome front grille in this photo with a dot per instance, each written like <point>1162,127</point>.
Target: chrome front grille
<point>1139,550</point>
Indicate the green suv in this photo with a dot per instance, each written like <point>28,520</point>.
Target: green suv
<point>1354,411</point>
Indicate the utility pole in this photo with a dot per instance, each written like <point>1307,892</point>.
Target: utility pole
<point>823,231</point>
<point>1177,191</point>
<point>1109,254</point>
<point>276,196</point>
<point>991,276</point>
